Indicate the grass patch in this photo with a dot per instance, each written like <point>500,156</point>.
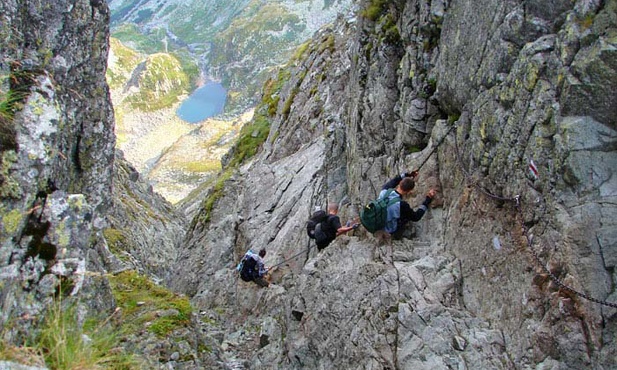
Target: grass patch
<point>327,44</point>
<point>289,101</point>
<point>586,21</point>
<point>28,356</point>
<point>161,83</point>
<point>453,118</point>
<point>189,67</point>
<point>390,30</point>
<point>374,10</point>
<point>117,241</point>
<point>126,61</point>
<point>201,166</point>
<point>130,35</point>
<point>300,51</point>
<point>292,95</point>
<point>9,104</point>
<point>413,149</point>
<point>12,101</point>
<point>215,194</point>
<point>66,345</point>
<point>251,137</point>
<point>142,301</point>
<point>272,89</point>
<point>257,33</point>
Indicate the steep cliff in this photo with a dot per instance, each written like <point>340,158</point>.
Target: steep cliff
<point>511,268</point>
<point>57,156</point>
<point>73,215</point>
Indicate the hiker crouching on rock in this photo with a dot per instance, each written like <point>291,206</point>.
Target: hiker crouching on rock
<point>252,268</point>
<point>400,213</point>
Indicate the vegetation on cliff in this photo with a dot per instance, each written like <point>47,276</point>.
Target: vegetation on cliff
<point>151,82</point>
<point>251,137</point>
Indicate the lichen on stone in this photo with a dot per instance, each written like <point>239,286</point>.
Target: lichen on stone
<point>9,187</point>
<point>11,221</point>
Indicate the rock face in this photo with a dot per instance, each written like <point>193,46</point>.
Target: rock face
<point>511,268</point>
<point>144,229</point>
<point>57,155</point>
<point>71,212</point>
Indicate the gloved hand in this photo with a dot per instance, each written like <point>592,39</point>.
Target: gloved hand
<point>355,226</point>
<point>412,174</point>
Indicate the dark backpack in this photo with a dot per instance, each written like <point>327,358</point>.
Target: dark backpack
<point>318,228</point>
<point>375,214</point>
<point>317,218</point>
<point>248,270</point>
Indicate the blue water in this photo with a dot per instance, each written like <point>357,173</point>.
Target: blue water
<point>205,102</point>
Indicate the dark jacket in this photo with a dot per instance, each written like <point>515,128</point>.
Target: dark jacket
<point>329,227</point>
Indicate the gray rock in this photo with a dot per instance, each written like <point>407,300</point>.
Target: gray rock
<point>459,343</point>
<point>447,298</point>
<point>8,365</point>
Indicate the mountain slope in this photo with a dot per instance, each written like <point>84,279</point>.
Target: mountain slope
<point>146,91</point>
<point>507,270</point>
<point>237,42</point>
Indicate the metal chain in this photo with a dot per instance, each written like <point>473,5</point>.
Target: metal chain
<point>517,202</point>
<point>292,257</point>
<point>435,147</point>
<point>551,275</point>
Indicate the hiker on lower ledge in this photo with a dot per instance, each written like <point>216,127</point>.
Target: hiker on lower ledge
<point>400,213</point>
<point>252,268</point>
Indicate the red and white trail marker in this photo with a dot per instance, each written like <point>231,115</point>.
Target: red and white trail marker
<point>533,169</point>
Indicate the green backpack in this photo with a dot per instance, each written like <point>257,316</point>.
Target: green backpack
<point>375,214</point>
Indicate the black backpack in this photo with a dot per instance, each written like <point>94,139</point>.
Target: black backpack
<point>318,228</point>
<point>317,218</point>
<point>248,269</point>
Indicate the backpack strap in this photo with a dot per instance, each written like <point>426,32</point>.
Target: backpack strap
<point>391,200</point>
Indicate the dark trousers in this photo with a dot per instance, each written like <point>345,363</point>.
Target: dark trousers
<point>405,229</point>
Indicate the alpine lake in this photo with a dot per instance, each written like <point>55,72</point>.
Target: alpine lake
<point>205,102</point>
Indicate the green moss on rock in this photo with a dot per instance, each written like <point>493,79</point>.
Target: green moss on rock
<point>143,302</point>
<point>9,187</point>
<point>374,9</point>
<point>11,221</point>
<point>116,240</point>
